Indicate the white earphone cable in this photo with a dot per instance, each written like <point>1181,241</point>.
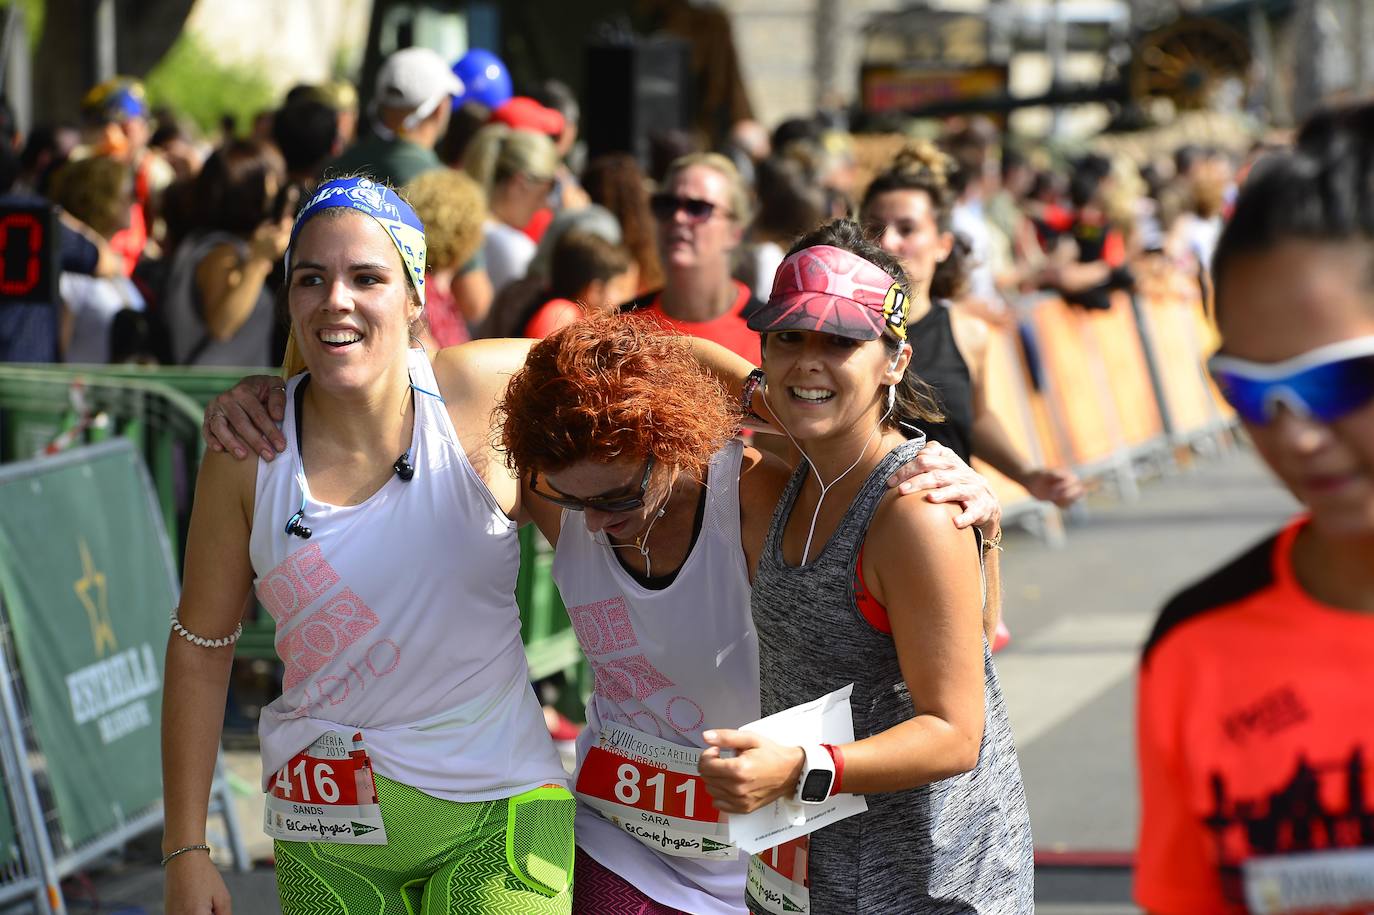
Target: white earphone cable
<point>825,487</point>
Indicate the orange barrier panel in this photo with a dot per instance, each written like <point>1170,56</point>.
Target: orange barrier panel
<point>1008,383</point>
<point>1210,340</point>
<point>1117,338</point>
<point>1171,315</point>
<point>1076,387</point>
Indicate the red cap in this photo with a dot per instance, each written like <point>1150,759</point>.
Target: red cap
<point>524,113</point>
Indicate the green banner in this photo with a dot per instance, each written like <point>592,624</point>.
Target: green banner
<point>87,583</point>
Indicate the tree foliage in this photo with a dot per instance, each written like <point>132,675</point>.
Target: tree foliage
<point>192,82</point>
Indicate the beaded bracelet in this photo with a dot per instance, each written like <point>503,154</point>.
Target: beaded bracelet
<point>203,642</point>
<point>183,850</point>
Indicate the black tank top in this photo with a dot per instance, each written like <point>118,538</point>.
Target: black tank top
<point>936,360</point>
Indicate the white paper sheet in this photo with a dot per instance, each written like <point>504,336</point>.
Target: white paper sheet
<point>824,720</point>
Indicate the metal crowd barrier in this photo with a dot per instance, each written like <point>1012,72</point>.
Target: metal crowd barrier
<point>44,409</point>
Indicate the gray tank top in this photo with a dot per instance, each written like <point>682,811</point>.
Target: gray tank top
<point>251,345</point>
<point>959,845</point>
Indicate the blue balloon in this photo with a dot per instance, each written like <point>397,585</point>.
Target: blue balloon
<point>485,79</point>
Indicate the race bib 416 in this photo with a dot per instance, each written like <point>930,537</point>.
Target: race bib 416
<point>650,788</point>
<point>326,793</point>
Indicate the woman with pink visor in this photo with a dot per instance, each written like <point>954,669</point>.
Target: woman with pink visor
<point>858,588</point>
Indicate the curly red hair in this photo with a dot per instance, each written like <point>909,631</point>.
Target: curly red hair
<point>611,386</point>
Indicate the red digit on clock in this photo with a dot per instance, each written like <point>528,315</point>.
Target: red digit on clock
<point>26,223</point>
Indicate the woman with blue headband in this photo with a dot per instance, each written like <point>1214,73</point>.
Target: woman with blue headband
<point>406,763</point>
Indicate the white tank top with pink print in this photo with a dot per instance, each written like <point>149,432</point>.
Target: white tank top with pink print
<point>397,618</point>
<point>669,663</point>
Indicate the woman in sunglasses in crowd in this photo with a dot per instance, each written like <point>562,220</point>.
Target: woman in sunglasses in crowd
<point>1256,702</point>
<point>701,210</point>
<point>856,586</point>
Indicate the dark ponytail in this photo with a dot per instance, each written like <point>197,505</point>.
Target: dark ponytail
<point>915,403</point>
<point>1322,190</point>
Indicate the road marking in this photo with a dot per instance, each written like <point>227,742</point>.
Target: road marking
<point>1054,673</point>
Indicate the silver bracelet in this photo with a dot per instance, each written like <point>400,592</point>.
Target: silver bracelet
<point>203,642</point>
<point>183,850</point>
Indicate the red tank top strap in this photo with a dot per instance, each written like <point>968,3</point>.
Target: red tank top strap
<point>872,611</point>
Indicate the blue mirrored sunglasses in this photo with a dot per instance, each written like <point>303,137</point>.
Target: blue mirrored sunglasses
<point>1324,384</point>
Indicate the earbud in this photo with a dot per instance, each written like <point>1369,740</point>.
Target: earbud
<point>904,347</point>
<point>295,528</point>
<point>404,469</point>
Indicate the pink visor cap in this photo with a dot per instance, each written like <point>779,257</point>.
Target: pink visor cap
<point>833,291</point>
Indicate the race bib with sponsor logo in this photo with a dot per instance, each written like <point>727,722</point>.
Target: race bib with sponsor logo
<point>326,793</point>
<point>1335,882</point>
<point>650,788</point>
<point>778,879</point>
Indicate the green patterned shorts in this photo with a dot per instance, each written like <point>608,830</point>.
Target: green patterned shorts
<point>441,858</point>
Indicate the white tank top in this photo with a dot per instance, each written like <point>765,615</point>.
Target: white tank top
<point>398,618</point>
<point>669,663</point>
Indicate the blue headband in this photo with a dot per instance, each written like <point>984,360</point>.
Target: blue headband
<point>382,204</point>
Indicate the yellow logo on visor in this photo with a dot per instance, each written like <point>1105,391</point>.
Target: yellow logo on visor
<point>894,310</point>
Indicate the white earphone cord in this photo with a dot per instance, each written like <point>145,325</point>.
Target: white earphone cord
<point>643,546</point>
<point>825,487</point>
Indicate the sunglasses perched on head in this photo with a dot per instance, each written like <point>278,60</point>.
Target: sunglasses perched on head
<point>1324,384</point>
<point>666,206</point>
<point>609,504</point>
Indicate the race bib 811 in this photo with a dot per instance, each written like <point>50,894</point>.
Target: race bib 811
<point>650,788</point>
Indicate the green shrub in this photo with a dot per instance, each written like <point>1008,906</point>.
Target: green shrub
<point>193,82</point>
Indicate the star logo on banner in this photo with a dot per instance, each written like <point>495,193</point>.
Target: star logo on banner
<point>97,604</point>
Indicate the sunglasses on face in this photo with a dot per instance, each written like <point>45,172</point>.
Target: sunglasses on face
<point>1324,384</point>
<point>667,206</point>
<point>609,504</point>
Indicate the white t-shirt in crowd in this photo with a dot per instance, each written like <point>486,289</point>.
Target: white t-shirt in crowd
<point>507,251</point>
<point>92,303</point>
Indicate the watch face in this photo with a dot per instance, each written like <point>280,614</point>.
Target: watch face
<point>816,788</point>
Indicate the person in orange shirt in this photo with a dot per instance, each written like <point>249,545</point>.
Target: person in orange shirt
<point>1256,696</point>
<point>701,210</point>
<point>587,274</point>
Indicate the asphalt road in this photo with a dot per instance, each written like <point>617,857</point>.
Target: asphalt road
<point>1078,616</point>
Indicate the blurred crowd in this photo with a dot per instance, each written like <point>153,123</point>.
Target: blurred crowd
<point>173,242</point>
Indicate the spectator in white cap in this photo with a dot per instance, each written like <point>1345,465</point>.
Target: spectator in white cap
<point>410,111</point>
